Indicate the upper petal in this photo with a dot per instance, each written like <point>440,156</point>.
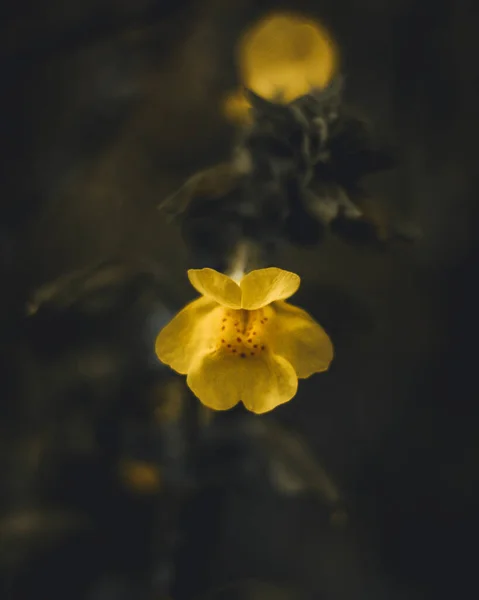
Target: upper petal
<point>264,286</point>
<point>221,381</point>
<point>216,286</point>
<point>303,342</point>
<point>188,335</point>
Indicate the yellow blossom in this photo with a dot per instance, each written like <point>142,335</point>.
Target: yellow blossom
<point>242,342</point>
<point>282,57</point>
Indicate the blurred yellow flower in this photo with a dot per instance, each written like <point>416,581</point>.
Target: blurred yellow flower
<point>140,477</point>
<point>242,342</point>
<point>281,58</point>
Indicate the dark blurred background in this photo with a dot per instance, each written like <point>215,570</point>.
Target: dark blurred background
<point>114,483</point>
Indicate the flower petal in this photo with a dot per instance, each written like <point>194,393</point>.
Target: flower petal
<point>221,381</point>
<point>300,340</point>
<point>264,286</point>
<point>187,335</point>
<point>216,286</point>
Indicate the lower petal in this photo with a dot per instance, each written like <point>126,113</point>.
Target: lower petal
<point>187,336</point>
<point>221,381</point>
<point>300,340</point>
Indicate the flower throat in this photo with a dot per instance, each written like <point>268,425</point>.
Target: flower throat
<point>242,332</point>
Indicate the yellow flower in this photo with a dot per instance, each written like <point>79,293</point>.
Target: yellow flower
<point>282,57</point>
<point>242,342</point>
<point>287,53</point>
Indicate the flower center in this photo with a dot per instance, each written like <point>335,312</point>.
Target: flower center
<point>242,332</point>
